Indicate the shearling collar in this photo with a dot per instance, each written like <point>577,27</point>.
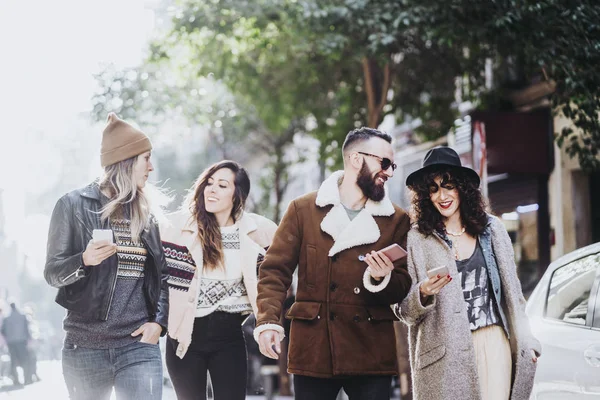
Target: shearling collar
<point>346,233</point>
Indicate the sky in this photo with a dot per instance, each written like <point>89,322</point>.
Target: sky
<point>49,52</point>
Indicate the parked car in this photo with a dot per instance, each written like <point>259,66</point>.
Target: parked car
<point>564,314</point>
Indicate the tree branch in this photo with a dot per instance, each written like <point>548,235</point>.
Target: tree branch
<point>369,89</point>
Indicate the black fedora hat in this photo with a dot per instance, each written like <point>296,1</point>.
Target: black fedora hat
<point>442,158</point>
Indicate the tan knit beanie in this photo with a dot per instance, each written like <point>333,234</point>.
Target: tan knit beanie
<point>121,141</point>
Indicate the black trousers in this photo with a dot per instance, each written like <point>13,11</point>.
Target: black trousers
<point>362,387</point>
<point>19,357</point>
<point>218,347</point>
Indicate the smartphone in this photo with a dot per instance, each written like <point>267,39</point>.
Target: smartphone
<point>441,271</point>
<point>394,252</point>
<point>102,234</point>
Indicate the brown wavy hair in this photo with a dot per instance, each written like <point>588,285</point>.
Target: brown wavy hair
<point>209,232</point>
<point>472,205</point>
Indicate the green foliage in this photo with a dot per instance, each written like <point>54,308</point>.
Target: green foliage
<point>304,59</point>
<point>189,116</point>
<point>528,38</point>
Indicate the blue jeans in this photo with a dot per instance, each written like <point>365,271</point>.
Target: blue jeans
<point>135,371</point>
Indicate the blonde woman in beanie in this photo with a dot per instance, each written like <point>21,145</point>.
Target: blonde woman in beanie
<point>213,248</point>
<point>113,283</point>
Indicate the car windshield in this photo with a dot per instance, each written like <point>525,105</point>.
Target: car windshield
<point>570,288</point>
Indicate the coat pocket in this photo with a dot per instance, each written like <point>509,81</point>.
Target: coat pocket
<point>304,310</point>
<point>376,314</point>
<point>430,356</point>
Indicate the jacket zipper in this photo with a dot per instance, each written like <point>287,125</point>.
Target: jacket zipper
<point>70,275</point>
<point>112,292</point>
<point>145,242</point>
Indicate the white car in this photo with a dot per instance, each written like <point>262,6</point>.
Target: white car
<point>564,314</point>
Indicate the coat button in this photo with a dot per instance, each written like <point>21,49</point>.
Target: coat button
<point>356,318</point>
<point>361,257</point>
<point>332,316</point>
<point>334,258</point>
<point>333,286</point>
<point>356,290</point>
<point>191,299</point>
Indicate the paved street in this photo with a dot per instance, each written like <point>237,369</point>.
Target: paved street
<point>52,386</point>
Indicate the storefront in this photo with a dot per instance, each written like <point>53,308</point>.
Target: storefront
<point>518,153</point>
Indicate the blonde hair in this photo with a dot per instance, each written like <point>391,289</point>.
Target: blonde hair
<point>118,182</point>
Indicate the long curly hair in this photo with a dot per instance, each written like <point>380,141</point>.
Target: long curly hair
<point>209,232</point>
<point>472,205</point>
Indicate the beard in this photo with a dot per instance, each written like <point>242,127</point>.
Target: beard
<point>368,184</point>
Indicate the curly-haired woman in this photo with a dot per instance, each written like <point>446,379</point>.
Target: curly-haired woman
<point>468,333</point>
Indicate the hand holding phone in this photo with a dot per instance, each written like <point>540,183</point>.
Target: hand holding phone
<point>441,271</point>
<point>99,248</point>
<point>99,235</point>
<point>432,285</point>
<point>394,252</point>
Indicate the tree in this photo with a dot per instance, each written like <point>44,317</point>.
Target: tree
<point>530,40</point>
<point>196,120</point>
<point>256,52</point>
<point>336,63</point>
<point>417,49</point>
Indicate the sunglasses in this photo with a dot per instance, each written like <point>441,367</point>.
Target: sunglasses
<point>385,162</point>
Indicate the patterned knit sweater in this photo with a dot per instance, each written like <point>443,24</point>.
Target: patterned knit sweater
<point>223,289</point>
<point>128,310</point>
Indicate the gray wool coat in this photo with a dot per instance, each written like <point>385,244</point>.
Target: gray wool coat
<point>440,344</point>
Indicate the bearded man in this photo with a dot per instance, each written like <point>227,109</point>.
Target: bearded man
<point>342,333</point>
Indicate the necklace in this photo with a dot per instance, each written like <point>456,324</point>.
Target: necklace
<point>455,245</point>
<point>455,233</point>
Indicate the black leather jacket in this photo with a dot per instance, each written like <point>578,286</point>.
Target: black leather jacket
<point>89,290</point>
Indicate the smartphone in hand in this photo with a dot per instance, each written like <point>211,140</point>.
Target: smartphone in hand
<point>394,252</point>
<point>102,234</point>
<point>441,271</point>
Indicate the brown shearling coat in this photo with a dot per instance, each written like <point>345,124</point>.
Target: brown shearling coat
<point>339,326</point>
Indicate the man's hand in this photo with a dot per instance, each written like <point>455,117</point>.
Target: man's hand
<point>150,332</point>
<point>379,264</point>
<point>266,340</point>
<point>97,252</point>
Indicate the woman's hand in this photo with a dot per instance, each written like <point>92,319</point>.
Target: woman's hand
<point>534,356</point>
<point>433,285</point>
<point>379,264</point>
<point>150,332</point>
<point>97,252</point>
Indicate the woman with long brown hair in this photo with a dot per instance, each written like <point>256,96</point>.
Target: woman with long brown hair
<point>469,337</point>
<point>213,248</point>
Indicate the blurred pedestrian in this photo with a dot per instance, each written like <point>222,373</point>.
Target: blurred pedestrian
<point>15,329</point>
<point>213,247</point>
<point>33,345</point>
<point>469,336</point>
<point>342,333</point>
<point>114,289</point>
